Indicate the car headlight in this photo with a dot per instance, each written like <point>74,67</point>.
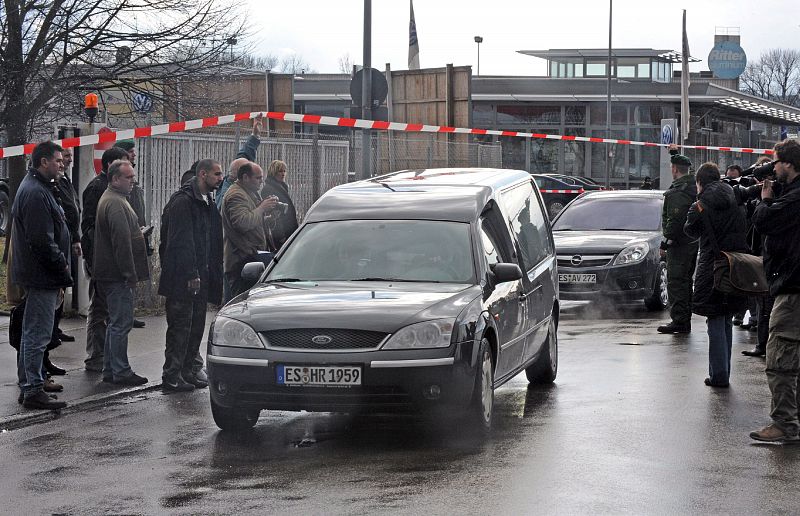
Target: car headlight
<point>428,334</point>
<point>633,254</point>
<point>233,333</point>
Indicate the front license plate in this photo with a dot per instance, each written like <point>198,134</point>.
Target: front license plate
<point>318,375</point>
<point>577,278</point>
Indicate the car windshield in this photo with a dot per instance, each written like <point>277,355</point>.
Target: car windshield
<point>593,213</point>
<point>379,250</point>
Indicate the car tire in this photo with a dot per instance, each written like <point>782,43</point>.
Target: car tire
<point>234,419</point>
<point>659,300</point>
<point>554,208</point>
<point>5,212</point>
<point>545,369</point>
<point>481,406</point>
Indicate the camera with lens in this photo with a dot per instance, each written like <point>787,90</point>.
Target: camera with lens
<point>280,209</point>
<point>760,172</point>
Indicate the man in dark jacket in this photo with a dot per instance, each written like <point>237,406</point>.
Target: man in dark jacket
<point>679,249</point>
<point>716,220</point>
<point>284,222</point>
<point>120,261</point>
<point>41,265</point>
<point>191,274</point>
<point>98,312</point>
<point>779,220</point>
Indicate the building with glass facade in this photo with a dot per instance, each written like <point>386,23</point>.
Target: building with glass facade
<point>571,100</point>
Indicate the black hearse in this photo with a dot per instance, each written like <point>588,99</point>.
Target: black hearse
<point>417,290</point>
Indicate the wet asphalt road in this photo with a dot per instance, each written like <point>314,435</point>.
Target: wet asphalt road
<point>628,427</point>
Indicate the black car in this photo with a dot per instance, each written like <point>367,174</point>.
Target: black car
<point>556,193</point>
<point>581,182</point>
<point>608,246</point>
<point>417,290</point>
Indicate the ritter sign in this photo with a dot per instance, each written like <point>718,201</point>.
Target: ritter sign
<point>727,60</point>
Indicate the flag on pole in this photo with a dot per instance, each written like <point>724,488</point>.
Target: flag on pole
<point>685,118</point>
<point>413,44</point>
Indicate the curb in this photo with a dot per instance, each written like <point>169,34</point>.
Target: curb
<point>33,417</point>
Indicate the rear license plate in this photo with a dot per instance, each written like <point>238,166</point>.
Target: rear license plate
<point>318,375</point>
<point>577,278</point>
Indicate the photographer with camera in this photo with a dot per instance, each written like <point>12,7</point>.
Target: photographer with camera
<point>283,221</point>
<point>243,223</point>
<point>777,219</point>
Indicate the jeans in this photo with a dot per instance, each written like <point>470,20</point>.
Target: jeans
<point>764,309</point>
<point>186,320</point>
<point>783,362</point>
<point>119,299</point>
<point>720,340</point>
<point>37,330</point>
<point>96,327</point>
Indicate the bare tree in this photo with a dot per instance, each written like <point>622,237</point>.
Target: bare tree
<point>346,64</point>
<point>52,51</point>
<point>775,75</point>
<point>295,63</point>
<point>259,62</point>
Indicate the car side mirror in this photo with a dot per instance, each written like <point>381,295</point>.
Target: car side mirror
<point>252,271</point>
<point>504,272</point>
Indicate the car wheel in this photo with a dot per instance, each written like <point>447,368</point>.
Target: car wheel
<point>659,300</point>
<point>481,407</point>
<point>545,369</point>
<point>554,208</point>
<point>234,419</point>
<point>5,212</point>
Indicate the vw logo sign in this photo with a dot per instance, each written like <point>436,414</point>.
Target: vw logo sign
<point>321,339</point>
<point>576,260</point>
<point>727,60</point>
<point>666,134</point>
<point>142,103</point>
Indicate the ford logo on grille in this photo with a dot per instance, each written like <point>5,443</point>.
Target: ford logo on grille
<point>576,260</point>
<point>321,339</point>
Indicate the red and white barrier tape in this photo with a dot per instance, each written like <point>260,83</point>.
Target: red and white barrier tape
<point>177,127</point>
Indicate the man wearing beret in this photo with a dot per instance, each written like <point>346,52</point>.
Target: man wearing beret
<point>679,249</point>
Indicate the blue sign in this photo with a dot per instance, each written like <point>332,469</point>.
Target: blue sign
<point>727,60</point>
<point>142,103</point>
<point>666,134</point>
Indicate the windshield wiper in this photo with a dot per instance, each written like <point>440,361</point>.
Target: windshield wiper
<point>397,280</point>
<point>282,280</point>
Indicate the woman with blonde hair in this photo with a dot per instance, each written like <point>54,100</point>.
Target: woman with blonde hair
<point>283,221</point>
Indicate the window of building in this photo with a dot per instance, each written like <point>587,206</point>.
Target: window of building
<point>575,153</point>
<point>521,114</point>
<point>595,69</point>
<point>597,113</point>
<point>578,69</point>
<point>553,69</point>
<point>482,115</point>
<point>575,115</point>
<point>544,153</point>
<point>643,71</point>
<point>599,151</point>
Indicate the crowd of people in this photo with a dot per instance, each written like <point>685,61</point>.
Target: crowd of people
<point>210,228</point>
<point>705,215</point>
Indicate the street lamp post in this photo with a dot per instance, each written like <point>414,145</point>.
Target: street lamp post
<point>479,40</point>
<point>608,101</point>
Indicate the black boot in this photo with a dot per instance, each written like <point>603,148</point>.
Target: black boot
<point>755,352</point>
<point>673,328</point>
<point>51,368</point>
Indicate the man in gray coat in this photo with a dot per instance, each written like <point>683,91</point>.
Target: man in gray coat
<point>120,261</point>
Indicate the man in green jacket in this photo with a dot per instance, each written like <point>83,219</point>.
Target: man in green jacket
<point>679,249</point>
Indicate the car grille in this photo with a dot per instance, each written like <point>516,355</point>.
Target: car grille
<point>314,339</point>
<point>587,260</point>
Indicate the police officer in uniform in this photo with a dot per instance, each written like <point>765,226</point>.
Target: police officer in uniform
<point>680,250</point>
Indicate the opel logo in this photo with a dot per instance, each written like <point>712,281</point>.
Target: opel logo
<point>321,339</point>
<point>576,260</point>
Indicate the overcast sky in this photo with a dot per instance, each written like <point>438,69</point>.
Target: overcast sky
<point>322,31</point>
